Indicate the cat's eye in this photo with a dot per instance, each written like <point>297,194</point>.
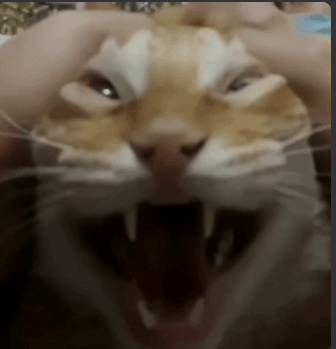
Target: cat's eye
<point>101,85</point>
<point>243,81</point>
<point>239,84</point>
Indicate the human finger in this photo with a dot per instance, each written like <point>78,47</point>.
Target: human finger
<point>37,63</point>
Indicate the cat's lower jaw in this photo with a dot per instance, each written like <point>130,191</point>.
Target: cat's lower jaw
<point>152,331</point>
<point>72,270</point>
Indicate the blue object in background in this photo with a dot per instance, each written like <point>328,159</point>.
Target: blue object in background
<point>313,23</point>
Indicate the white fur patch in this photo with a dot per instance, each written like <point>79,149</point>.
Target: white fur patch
<point>126,63</point>
<point>86,98</point>
<point>258,91</point>
<point>237,161</point>
<point>228,177</point>
<point>135,54</point>
<point>124,67</point>
<point>107,183</point>
<point>212,57</point>
<point>216,58</point>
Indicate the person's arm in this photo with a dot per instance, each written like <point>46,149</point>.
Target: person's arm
<point>35,64</point>
<point>270,35</point>
<point>305,61</point>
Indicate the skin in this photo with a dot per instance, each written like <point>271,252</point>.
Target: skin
<point>269,34</point>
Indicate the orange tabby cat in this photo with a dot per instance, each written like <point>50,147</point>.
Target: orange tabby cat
<point>177,197</point>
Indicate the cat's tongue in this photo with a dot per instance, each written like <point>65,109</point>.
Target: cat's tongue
<point>170,276</point>
<point>170,334</point>
<point>175,334</point>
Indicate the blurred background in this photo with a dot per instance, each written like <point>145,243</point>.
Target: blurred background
<point>14,15</point>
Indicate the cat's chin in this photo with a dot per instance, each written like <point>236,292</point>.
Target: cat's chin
<point>191,329</point>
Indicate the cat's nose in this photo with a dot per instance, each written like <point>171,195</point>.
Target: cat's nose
<point>168,142</point>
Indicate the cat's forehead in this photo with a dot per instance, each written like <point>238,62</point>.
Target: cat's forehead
<point>202,53</point>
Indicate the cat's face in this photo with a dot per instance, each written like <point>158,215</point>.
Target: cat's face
<point>173,152</point>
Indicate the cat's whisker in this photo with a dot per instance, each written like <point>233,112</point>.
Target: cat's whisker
<point>294,194</point>
<point>13,135</point>
<point>30,172</point>
<point>308,150</point>
<point>21,232</point>
<point>12,122</point>
<point>288,174</point>
<point>37,139</point>
<point>56,197</point>
<point>57,145</point>
<point>292,178</point>
<point>40,171</point>
<point>45,203</point>
<point>295,139</point>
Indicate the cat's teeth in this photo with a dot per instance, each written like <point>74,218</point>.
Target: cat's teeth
<point>149,319</point>
<point>130,217</point>
<point>224,248</point>
<point>197,313</point>
<point>209,218</point>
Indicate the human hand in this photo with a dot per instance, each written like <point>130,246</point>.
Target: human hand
<point>269,34</point>
<point>38,62</point>
<point>304,7</point>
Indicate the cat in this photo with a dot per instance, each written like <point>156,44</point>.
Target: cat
<point>177,196</point>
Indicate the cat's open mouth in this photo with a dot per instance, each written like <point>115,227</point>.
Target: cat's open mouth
<point>168,258</point>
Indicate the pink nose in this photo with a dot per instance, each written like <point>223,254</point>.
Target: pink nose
<point>166,147</point>
<point>167,144</point>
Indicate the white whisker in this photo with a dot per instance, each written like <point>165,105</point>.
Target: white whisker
<point>26,172</point>
<point>20,230</point>
<point>303,197</point>
<point>308,150</point>
<point>294,193</point>
<point>288,174</point>
<point>289,177</point>
<point>12,122</point>
<point>37,139</point>
<point>321,128</point>
<point>58,196</point>
<point>46,141</point>
<point>13,135</point>
<point>312,132</point>
<point>45,211</point>
<point>42,171</point>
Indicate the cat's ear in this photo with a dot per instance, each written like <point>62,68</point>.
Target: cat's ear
<point>107,6</point>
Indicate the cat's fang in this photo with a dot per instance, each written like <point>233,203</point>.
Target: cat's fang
<point>224,248</point>
<point>149,319</point>
<point>197,313</point>
<point>209,218</point>
<point>130,218</point>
